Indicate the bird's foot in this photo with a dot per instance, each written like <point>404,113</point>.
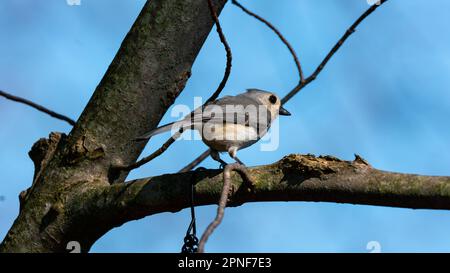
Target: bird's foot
<point>222,165</point>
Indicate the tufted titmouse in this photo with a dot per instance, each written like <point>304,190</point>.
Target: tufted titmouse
<point>230,123</point>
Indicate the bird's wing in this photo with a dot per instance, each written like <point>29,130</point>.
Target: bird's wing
<point>238,110</point>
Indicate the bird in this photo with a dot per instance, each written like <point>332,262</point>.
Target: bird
<point>230,123</point>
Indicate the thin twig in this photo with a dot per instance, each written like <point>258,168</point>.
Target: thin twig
<point>37,107</point>
<point>227,49</point>
<point>196,161</point>
<point>224,199</point>
<point>149,158</point>
<point>282,38</point>
<point>330,54</point>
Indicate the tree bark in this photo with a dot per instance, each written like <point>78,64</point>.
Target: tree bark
<point>147,74</point>
<point>293,178</point>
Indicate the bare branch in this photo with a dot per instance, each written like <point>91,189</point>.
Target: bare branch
<point>227,49</point>
<point>116,169</point>
<point>272,27</point>
<point>196,161</point>
<point>333,51</point>
<point>223,200</point>
<point>37,107</point>
<point>220,209</point>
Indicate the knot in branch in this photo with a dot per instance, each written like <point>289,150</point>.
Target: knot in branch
<point>309,165</point>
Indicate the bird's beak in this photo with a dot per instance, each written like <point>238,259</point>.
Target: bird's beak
<point>283,112</point>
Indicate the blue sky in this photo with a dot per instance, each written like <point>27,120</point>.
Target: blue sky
<point>384,96</point>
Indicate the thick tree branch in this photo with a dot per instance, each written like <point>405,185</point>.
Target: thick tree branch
<point>293,178</point>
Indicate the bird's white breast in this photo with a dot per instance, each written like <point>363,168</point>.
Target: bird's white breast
<point>223,136</point>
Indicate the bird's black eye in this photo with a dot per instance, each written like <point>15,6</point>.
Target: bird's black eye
<point>273,99</point>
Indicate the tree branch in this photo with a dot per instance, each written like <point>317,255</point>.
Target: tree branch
<point>242,170</point>
<point>115,170</point>
<point>37,107</point>
<point>282,38</point>
<point>333,51</point>
<point>293,178</point>
<point>196,161</point>
<point>227,73</point>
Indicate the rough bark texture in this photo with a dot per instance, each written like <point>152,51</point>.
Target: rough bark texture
<point>147,74</point>
<point>293,178</point>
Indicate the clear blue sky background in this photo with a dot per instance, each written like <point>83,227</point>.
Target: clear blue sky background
<point>385,96</point>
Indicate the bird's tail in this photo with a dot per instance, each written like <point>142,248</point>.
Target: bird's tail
<point>165,128</point>
<point>156,131</point>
